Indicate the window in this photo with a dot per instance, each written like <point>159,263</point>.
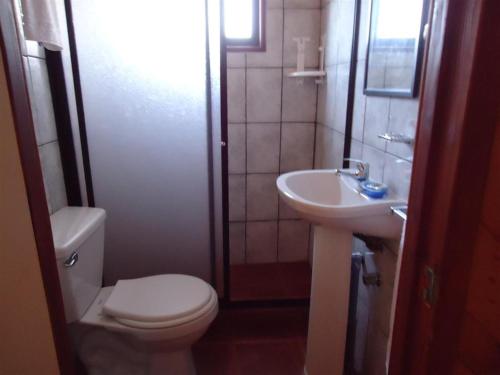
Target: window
<point>244,25</point>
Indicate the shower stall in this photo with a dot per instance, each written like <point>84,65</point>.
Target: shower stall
<point>151,129</point>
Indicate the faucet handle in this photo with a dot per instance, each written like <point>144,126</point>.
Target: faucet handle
<point>359,163</point>
<point>363,168</point>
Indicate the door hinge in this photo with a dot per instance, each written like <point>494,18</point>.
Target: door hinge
<point>431,286</point>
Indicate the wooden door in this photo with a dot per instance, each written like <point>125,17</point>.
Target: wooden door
<point>453,223</point>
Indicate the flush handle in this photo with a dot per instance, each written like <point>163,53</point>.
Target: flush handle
<point>71,261</point>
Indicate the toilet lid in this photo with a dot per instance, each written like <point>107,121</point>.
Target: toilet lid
<point>155,300</point>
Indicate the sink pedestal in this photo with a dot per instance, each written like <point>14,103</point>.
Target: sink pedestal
<point>329,308</point>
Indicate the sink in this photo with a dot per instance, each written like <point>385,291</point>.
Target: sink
<point>325,198</point>
<point>338,209</point>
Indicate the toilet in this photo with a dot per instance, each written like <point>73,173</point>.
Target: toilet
<point>139,326</point>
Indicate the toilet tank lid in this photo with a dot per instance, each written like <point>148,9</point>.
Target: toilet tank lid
<point>71,226</point>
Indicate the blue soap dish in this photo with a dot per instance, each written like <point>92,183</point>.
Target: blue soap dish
<point>373,189</point>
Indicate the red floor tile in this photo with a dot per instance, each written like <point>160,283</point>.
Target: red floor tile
<point>270,281</point>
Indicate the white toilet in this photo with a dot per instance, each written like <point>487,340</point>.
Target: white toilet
<point>138,326</point>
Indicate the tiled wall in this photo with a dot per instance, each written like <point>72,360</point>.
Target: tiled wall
<point>45,126</point>
<point>389,163</point>
<point>271,131</point>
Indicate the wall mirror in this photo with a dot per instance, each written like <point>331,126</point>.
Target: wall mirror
<point>395,47</point>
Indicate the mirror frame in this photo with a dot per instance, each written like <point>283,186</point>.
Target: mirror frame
<point>414,89</point>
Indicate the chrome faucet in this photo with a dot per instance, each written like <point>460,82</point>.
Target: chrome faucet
<point>361,172</point>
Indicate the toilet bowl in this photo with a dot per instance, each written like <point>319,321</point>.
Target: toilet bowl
<point>139,326</point>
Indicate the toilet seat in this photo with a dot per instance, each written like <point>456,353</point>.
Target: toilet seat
<point>160,301</point>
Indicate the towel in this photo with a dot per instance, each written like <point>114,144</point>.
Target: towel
<point>41,23</point>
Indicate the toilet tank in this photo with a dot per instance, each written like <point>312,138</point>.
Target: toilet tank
<point>78,234</point>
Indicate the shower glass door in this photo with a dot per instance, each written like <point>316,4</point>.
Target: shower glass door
<point>145,79</point>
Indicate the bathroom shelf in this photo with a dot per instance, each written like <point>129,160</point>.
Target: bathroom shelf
<point>308,73</point>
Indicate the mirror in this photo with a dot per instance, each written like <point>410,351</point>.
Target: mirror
<point>395,47</point>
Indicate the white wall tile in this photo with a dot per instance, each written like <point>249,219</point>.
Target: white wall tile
<point>293,241</point>
<point>299,99</point>
<point>327,98</point>
<point>236,95</point>
<point>262,242</point>
<point>364,26</point>
<point>358,115</point>
<point>340,105</point>
<point>236,148</point>
<point>376,121</point>
<point>41,101</point>
<point>273,56</point>
<point>301,23</point>
<point>53,178</point>
<point>403,120</point>
<point>376,159</point>
<point>264,95</point>
<point>397,175</point>
<point>263,148</point>
<point>236,197</point>
<point>34,49</point>
<point>297,147</point>
<point>262,197</point>
<point>237,243</point>
<point>345,22</point>
<point>329,20</point>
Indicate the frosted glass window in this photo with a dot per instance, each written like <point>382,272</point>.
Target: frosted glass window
<point>238,19</point>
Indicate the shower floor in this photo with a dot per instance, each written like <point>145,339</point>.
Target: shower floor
<point>270,281</point>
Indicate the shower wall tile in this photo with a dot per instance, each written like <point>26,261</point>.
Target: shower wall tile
<point>273,56</point>
<point>264,95</point>
<point>272,122</point>
<point>286,212</point>
<point>262,242</point>
<point>274,4</point>
<point>236,60</point>
<point>237,240</point>
<point>263,148</point>
<point>302,4</point>
<point>301,23</point>
<point>293,241</point>
<point>262,197</point>
<point>237,148</point>
<point>53,179</point>
<point>236,95</point>
<point>41,101</point>
<point>236,196</point>
<point>297,147</point>
<point>299,99</point>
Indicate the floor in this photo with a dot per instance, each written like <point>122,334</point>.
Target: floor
<point>270,281</point>
<point>254,341</point>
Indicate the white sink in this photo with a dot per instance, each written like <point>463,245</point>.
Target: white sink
<point>325,198</point>
<point>334,203</point>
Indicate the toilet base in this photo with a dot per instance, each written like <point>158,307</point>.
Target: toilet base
<point>110,353</point>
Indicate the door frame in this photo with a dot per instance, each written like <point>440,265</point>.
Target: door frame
<point>32,173</point>
<point>458,114</point>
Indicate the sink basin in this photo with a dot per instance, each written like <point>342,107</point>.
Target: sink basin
<point>339,209</point>
<point>331,200</point>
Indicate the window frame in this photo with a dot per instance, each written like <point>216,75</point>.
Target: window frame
<point>258,41</point>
